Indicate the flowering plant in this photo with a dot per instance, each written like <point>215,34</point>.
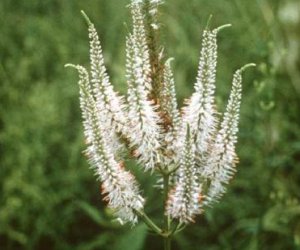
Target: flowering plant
<point>192,150</point>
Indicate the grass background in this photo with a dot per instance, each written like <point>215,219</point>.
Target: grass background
<point>49,198</point>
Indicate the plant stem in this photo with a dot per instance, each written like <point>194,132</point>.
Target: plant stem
<point>167,243</point>
<point>167,222</point>
<point>157,78</point>
<point>149,222</point>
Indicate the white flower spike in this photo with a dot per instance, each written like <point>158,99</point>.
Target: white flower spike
<point>118,185</point>
<point>184,199</point>
<point>220,166</point>
<point>192,152</point>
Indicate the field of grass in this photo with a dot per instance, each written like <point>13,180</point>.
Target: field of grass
<point>49,198</point>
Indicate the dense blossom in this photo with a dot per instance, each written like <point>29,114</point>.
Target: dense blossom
<point>220,165</point>
<point>183,202</point>
<point>118,185</point>
<point>195,147</point>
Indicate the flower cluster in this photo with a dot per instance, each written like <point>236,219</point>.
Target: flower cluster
<point>194,146</point>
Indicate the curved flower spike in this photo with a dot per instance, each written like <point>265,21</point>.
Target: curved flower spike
<point>110,106</point>
<point>220,166</point>
<point>200,112</point>
<point>118,185</point>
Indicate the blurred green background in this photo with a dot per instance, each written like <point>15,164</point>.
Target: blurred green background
<point>49,198</point>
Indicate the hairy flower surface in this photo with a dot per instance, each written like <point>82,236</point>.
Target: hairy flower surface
<point>183,202</point>
<point>110,106</point>
<point>144,120</point>
<point>220,166</point>
<point>119,186</point>
<point>170,115</point>
<point>200,112</point>
<point>192,151</point>
<point>141,112</point>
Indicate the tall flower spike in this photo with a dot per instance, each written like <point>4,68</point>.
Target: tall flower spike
<point>220,166</point>
<point>110,106</point>
<point>140,42</point>
<point>152,8</point>
<point>184,199</point>
<point>119,186</point>
<point>145,131</point>
<point>86,101</point>
<point>200,112</point>
<point>153,11</point>
<point>168,100</point>
<point>151,25</point>
<point>170,114</point>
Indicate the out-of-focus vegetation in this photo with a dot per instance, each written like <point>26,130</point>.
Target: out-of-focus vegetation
<point>49,198</point>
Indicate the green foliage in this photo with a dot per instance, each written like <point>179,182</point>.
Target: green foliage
<point>133,239</point>
<point>48,196</point>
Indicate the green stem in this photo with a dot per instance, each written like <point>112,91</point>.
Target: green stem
<point>149,222</point>
<point>167,221</point>
<point>167,243</point>
<point>174,230</point>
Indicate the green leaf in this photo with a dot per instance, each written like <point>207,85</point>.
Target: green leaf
<point>277,218</point>
<point>92,212</point>
<point>133,240</point>
<point>96,243</point>
<point>20,237</point>
<point>297,235</point>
